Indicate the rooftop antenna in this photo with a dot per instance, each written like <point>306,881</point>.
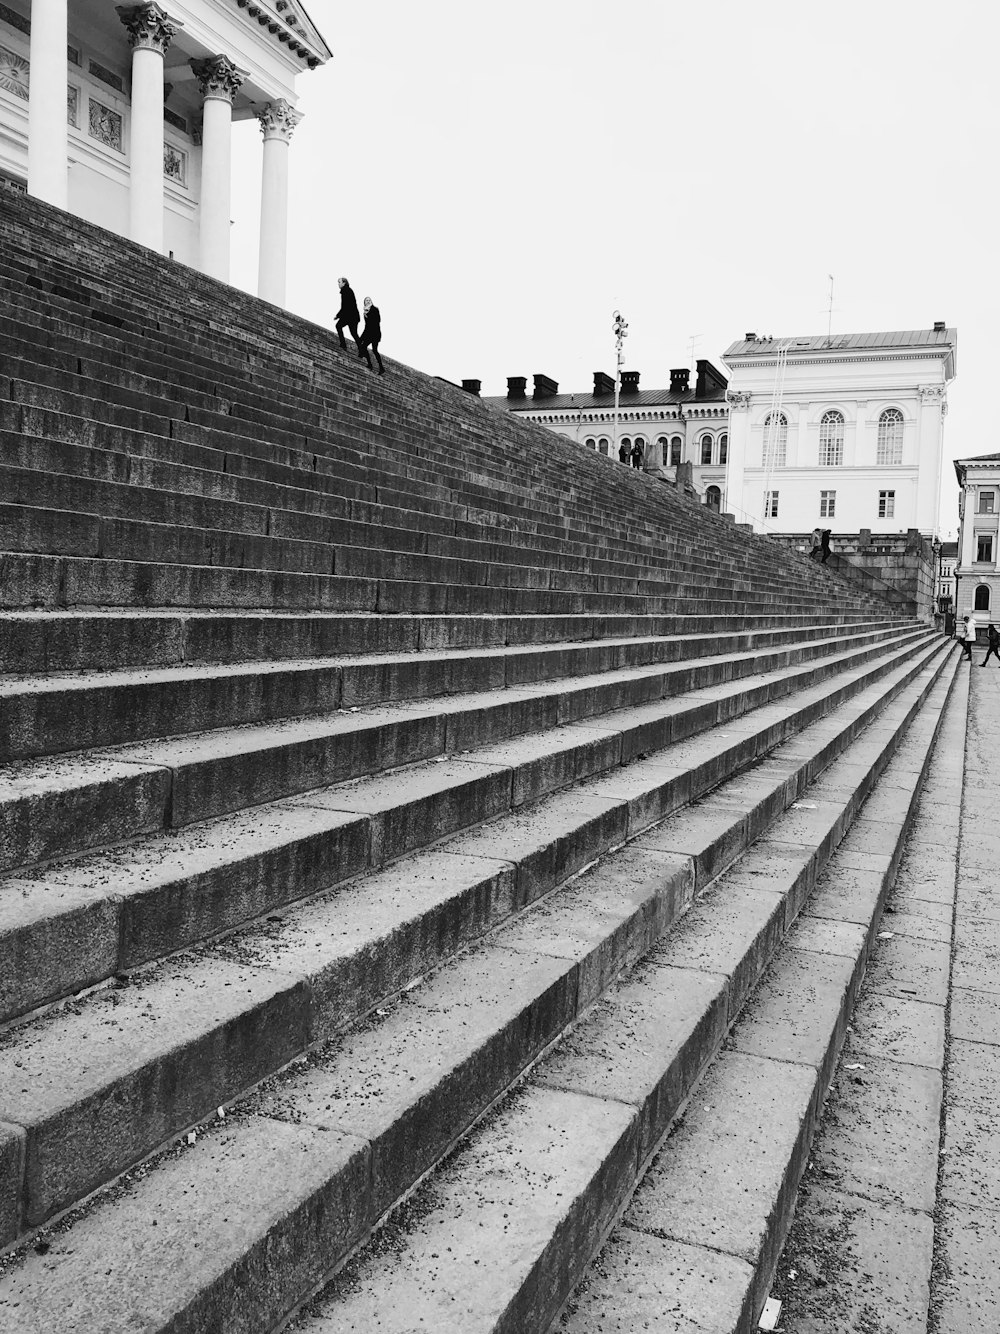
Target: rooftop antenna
<point>829,313</point>
<point>692,344</point>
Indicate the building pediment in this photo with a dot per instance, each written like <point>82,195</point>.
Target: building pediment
<point>287,23</point>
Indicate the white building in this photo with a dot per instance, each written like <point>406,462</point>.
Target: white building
<point>841,432</point>
<point>977,576</point>
<point>123,114</point>
<point>682,424</point>
<point>947,564</point>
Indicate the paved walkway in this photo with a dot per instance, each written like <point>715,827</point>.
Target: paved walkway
<point>898,1217</point>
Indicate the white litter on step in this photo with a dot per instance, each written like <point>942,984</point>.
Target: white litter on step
<point>222,1113</point>
<point>856,1066</point>
<point>770,1313</point>
<point>886,935</point>
<point>802,806</point>
<point>192,1137</point>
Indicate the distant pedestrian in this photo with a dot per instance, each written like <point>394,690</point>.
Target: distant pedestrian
<point>824,545</point>
<point>347,315</point>
<point>623,452</point>
<point>371,335</point>
<point>993,635</point>
<point>965,634</point>
<point>817,544</point>
<point>637,454</point>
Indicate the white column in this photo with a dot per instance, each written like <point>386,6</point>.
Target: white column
<point>277,121</point>
<point>47,137</point>
<point>219,80</point>
<point>150,31</point>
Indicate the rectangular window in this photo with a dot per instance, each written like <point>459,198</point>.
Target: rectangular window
<point>770,504</point>
<point>984,547</point>
<point>987,500</point>
<point>886,504</point>
<point>827,504</point>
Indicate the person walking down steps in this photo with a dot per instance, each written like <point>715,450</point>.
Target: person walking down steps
<point>817,544</point>
<point>347,316</point>
<point>993,636</point>
<point>371,335</point>
<point>962,634</point>
<point>824,545</point>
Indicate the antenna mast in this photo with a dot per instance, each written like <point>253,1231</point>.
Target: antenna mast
<point>829,313</point>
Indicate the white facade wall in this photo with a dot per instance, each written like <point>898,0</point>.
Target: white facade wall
<point>861,384</point>
<point>978,567</point>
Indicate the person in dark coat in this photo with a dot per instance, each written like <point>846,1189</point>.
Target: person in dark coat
<point>623,452</point>
<point>824,545</point>
<point>637,455</point>
<point>347,315</point>
<point>816,550</point>
<point>993,638</point>
<point>371,335</point>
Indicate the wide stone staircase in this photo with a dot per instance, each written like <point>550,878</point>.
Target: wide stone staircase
<point>423,842</point>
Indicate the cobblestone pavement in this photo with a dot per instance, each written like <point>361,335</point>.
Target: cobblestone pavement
<point>898,1215</point>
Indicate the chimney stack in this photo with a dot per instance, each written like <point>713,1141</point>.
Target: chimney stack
<point>603,384</point>
<point>630,382</point>
<point>544,387</point>
<point>679,380</point>
<point>939,326</point>
<point>516,386</point>
<point>472,386</point>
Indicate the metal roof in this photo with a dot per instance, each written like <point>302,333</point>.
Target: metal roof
<point>643,398</point>
<point>766,346</point>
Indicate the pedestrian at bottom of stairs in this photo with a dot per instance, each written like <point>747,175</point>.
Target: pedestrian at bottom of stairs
<point>347,316</point>
<point>993,636</point>
<point>965,634</point>
<point>824,545</point>
<point>817,544</point>
<point>371,335</point>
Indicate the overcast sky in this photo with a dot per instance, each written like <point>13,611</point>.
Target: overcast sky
<point>501,177</point>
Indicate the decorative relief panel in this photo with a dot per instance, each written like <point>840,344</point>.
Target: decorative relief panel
<point>13,73</point>
<point>73,107</point>
<point>15,20</point>
<point>107,76</point>
<point>105,125</point>
<point>175,164</point>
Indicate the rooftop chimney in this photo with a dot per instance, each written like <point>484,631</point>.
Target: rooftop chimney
<point>472,386</point>
<point>679,380</point>
<point>750,337</point>
<point>544,387</point>
<point>939,326</point>
<point>630,382</point>
<point>711,383</point>
<point>603,384</point>
<point>516,386</point>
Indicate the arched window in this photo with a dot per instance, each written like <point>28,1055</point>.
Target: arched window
<point>605,444</point>
<point>640,440</point>
<point>676,449</point>
<point>982,598</point>
<point>831,439</point>
<point>723,448</point>
<point>775,439</point>
<point>590,442</point>
<point>662,450</point>
<point>706,449</point>
<point>713,498</point>
<point>890,437</point>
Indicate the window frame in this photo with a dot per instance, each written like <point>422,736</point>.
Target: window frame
<point>828,504</point>
<point>771,504</point>
<point>889,446</point>
<point>987,539</point>
<point>706,441</point>
<point>887,504</point>
<point>781,443</point>
<point>831,442</point>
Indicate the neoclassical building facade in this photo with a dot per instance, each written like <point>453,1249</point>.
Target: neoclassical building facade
<point>843,432</point>
<point>123,115</point>
<point>977,572</point>
<point>685,423</point>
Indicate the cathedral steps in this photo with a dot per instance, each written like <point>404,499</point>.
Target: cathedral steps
<point>360,747</point>
<point>370,1112</point>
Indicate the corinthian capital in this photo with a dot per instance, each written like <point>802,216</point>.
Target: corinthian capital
<point>931,393</point>
<point>278,120</point>
<point>149,27</point>
<point>738,399</point>
<point>217,77</point>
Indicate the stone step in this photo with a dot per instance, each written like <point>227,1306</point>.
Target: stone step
<point>52,714</point>
<point>55,807</point>
<point>45,642</point>
<point>697,1240</point>
<point>368,1114</point>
